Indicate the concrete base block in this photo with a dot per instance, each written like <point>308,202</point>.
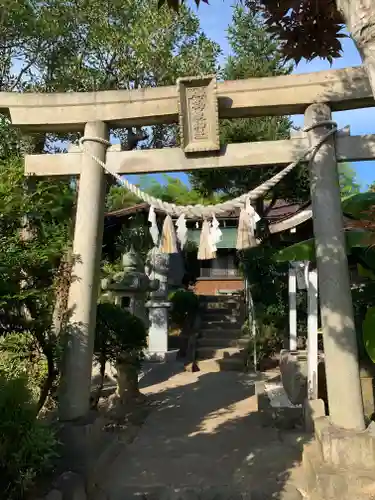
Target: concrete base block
<point>339,464</point>
<point>325,482</point>
<point>343,448</point>
<point>312,409</point>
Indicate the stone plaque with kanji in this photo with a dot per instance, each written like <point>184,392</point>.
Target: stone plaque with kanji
<point>198,114</point>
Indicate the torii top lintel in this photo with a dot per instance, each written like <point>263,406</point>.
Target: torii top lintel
<point>344,89</point>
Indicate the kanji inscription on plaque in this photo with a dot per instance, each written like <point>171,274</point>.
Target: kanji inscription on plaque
<point>198,113</point>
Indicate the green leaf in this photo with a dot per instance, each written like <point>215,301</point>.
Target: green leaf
<point>364,272</point>
<point>356,204</point>
<point>305,250</point>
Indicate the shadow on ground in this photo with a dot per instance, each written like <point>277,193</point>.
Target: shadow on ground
<point>205,432</point>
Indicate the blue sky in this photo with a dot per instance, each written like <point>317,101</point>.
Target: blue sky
<point>215,19</point>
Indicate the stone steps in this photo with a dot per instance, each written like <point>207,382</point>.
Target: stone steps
<point>221,339</point>
<point>219,342</point>
<point>220,299</point>
<point>219,353</point>
<point>222,322</point>
<point>208,305</point>
<point>229,333</point>
<point>214,306</point>
<point>219,365</point>
<point>208,308</point>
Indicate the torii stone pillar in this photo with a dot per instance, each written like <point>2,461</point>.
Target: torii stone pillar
<point>339,336</point>
<point>78,351</point>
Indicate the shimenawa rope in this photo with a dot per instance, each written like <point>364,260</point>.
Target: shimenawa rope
<point>220,208</point>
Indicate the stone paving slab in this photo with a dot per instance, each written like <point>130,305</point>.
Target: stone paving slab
<point>205,432</point>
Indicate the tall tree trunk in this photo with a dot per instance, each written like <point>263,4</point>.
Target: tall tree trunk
<point>359,16</point>
<point>62,292</point>
<point>49,380</point>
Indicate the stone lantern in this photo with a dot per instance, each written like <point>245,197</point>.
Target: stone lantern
<point>131,284</point>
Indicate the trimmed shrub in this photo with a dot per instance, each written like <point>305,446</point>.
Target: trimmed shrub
<point>184,304</point>
<point>117,332</point>
<point>119,335</point>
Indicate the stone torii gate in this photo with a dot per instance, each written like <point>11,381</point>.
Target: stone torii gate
<point>197,104</point>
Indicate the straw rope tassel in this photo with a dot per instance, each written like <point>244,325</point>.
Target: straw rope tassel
<point>246,227</point>
<point>215,233</point>
<point>168,243</point>
<point>181,231</point>
<point>154,231</point>
<point>205,251</point>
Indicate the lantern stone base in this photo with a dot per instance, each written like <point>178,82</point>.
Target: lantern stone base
<point>339,463</point>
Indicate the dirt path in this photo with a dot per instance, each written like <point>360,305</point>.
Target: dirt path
<point>205,434</point>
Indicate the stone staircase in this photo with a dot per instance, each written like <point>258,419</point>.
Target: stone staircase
<point>221,343</point>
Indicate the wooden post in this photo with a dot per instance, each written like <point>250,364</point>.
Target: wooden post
<point>340,343</point>
<point>312,335</point>
<point>292,289</point>
<point>75,388</point>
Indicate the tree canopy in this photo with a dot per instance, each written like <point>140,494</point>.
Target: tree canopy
<point>304,28</point>
<point>64,46</point>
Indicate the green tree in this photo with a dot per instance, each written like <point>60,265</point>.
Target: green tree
<point>123,44</point>
<point>92,50</point>
<point>174,190</point>
<point>254,54</point>
<point>118,197</point>
<point>30,258</point>
<point>19,30</point>
<point>88,46</point>
<point>313,29</point>
<point>347,179</point>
